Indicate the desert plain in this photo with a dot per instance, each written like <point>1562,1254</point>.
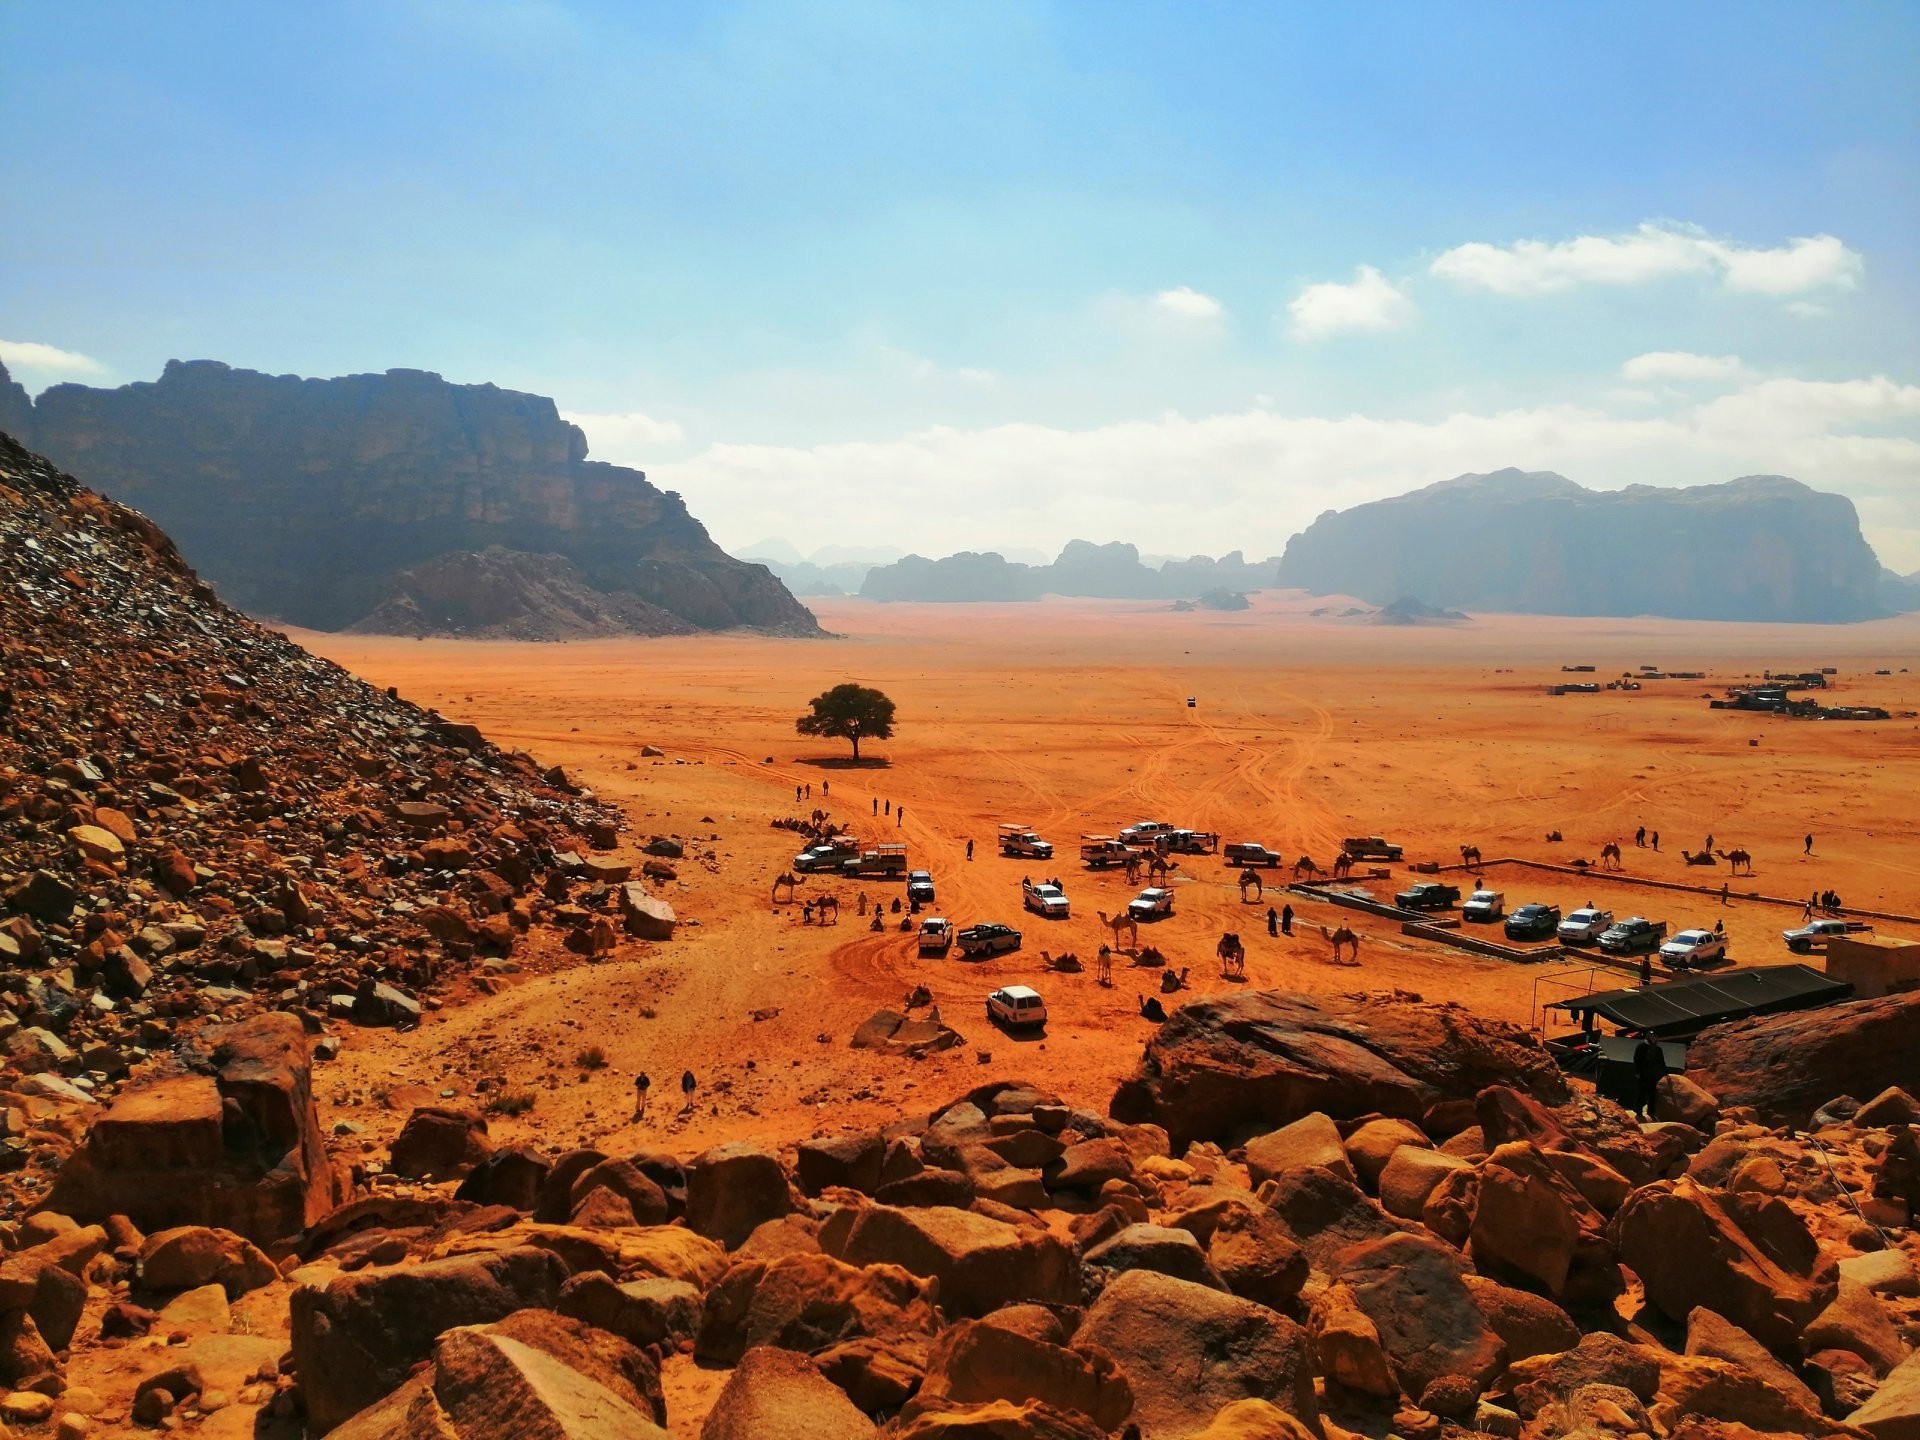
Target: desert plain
<point>1071,716</point>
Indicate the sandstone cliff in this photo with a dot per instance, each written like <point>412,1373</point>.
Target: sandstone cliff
<point>1763,547</point>
<point>307,500</point>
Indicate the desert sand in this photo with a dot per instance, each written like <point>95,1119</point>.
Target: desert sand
<point>1071,716</point>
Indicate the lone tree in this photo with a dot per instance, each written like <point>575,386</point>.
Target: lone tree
<point>849,712</point>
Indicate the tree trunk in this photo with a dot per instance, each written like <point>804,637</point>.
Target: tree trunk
<point>856,748</point>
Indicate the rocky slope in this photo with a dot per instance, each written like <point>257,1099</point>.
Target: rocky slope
<point>1112,571</point>
<point>317,502</point>
<point>1763,547</point>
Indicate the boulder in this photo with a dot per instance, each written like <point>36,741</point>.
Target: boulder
<point>439,1142</point>
<point>731,1189</point>
<point>1324,1214</point>
<point>1346,1344</point>
<point>975,1363</point>
<point>190,1256</point>
<point>47,1291</point>
<point>1599,1359</point>
<point>1251,1251</point>
<point>1088,1165</point>
<point>1527,1324</point>
<point>644,1199</point>
<point>1226,1064</point>
<point>512,1176</point>
<point>1149,1247</point>
<point>1862,1047</point>
<point>995,1420</point>
<point>1693,1386</point>
<point>1712,1337</point>
<point>1892,1106</point>
<point>1531,1226</point>
<point>1688,1252</point>
<point>1894,1411</point>
<point>640,1312</point>
<point>1311,1142</point>
<point>778,1395</point>
<point>1858,1321</point>
<point>981,1264</point>
<point>535,1374</point>
<point>809,1303</point>
<point>1410,1176</point>
<point>356,1339</point>
<point>1371,1146</point>
<point>1413,1288</point>
<point>1189,1350</point>
<point>646,917</point>
<point>1678,1098</point>
<point>846,1162</point>
<point>1254,1420</point>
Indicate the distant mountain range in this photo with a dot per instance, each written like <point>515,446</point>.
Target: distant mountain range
<point>1762,547</point>
<point>1113,572</point>
<point>400,503</point>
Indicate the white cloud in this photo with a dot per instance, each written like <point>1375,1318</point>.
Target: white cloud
<point>1654,251</point>
<point>1185,303</point>
<point>1371,302</point>
<point>628,438</point>
<point>1681,365</point>
<point>32,355</point>
<point>1252,479</point>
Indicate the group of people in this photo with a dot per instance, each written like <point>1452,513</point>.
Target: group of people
<point>1827,901</point>
<point>899,813</point>
<point>1280,922</point>
<point>643,1088</point>
<point>1641,837</point>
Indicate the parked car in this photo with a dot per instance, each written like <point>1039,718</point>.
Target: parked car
<point>1370,847</point>
<point>1045,899</point>
<point>987,938</point>
<point>1635,935</point>
<point>1428,895</point>
<point>1484,907</point>
<point>1694,950</point>
<point>1810,937</point>
<point>935,936</point>
<point>827,855</point>
<point>1018,842</point>
<point>1145,832</point>
<point>920,887</point>
<point>1151,904</point>
<point>1016,1005</point>
<point>1534,921</point>
<point>1584,925</point>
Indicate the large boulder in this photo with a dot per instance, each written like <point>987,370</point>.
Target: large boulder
<point>1894,1411</point>
<point>535,1375</point>
<point>642,1312</point>
<point>1251,1251</point>
<point>976,1363</point>
<point>1189,1350</point>
<point>1324,1214</point>
<point>1149,1247</point>
<point>356,1339</point>
<point>809,1303</point>
<point>190,1256</point>
<point>1253,1061</point>
<point>981,1263</point>
<point>1688,1252</point>
<point>733,1188</point>
<point>1527,1324</point>
<point>235,1143</point>
<point>439,1141</point>
<point>1311,1142</point>
<point>1414,1289</point>
<point>1788,1066</point>
<point>778,1395</point>
<point>995,1420</point>
<point>1531,1226</point>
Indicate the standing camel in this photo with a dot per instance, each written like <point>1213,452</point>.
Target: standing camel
<point>1735,859</point>
<point>1470,856</point>
<point>1233,957</point>
<point>1342,936</point>
<point>1342,865</point>
<point>1159,867</point>
<point>1304,865</point>
<point>785,877</point>
<point>1103,968</point>
<point>1132,867</point>
<point>1117,923</point>
<point>825,903</point>
<point>1250,876</point>
<point>1610,855</point>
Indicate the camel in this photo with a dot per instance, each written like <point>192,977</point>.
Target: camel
<point>1553,837</point>
<point>1150,955</point>
<point>1342,936</point>
<point>917,997</point>
<point>1066,964</point>
<point>785,877</point>
<point>1470,856</point>
<point>1251,877</point>
<point>823,904</point>
<point>1704,857</point>
<point>1342,865</point>
<point>1735,859</point>
<point>1170,982</point>
<point>1152,1009</point>
<point>1117,923</point>
<point>1159,867</point>
<point>1610,855</point>
<point>1305,865</point>
<point>1103,966</point>
<point>1233,957</point>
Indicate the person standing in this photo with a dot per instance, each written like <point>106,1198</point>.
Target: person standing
<point>1646,971</point>
<point>969,849</point>
<point>1286,919</point>
<point>1656,840</point>
<point>642,1083</point>
<point>900,817</point>
<point>1649,1068</point>
<point>876,804</point>
<point>889,805</point>
<point>1723,892</point>
<point>1640,837</point>
<point>1809,849</point>
<point>1273,921</point>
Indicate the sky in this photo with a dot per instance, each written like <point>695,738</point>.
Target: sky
<point>941,276</point>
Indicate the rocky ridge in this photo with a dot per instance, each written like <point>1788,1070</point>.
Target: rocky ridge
<point>366,498</point>
<point>1112,571</point>
<point>1763,547</point>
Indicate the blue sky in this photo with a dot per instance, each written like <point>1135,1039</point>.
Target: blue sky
<point>937,276</point>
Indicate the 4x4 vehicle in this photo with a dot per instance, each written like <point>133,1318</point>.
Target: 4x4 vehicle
<point>827,855</point>
<point>1484,906</point>
<point>987,938</point>
<point>1045,899</point>
<point>1816,935</point>
<point>1428,895</point>
<point>1018,842</point>
<point>1370,847</point>
<point>1145,832</point>
<point>1151,904</point>
<point>1694,950</point>
<point>1016,1005</point>
<point>920,887</point>
<point>1634,935</point>
<point>1584,925</point>
<point>1533,921</point>
<point>935,935</point>
<point>1244,852</point>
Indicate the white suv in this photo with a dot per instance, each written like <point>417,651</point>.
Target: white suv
<point>1016,1005</point>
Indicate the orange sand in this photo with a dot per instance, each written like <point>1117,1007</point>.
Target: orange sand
<point>1070,716</point>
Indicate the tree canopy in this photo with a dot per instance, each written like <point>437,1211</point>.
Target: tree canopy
<point>849,712</point>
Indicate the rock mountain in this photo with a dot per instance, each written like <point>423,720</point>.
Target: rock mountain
<point>1762,547</point>
<point>399,502</point>
<point>1110,572</point>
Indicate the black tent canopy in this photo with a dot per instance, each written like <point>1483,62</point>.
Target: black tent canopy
<point>1683,1008</point>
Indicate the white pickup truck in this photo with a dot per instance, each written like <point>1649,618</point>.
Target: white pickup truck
<point>1100,851</point>
<point>1694,950</point>
<point>1484,906</point>
<point>1045,899</point>
<point>936,936</point>
<point>1151,904</point>
<point>1019,842</point>
<point>1584,925</point>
